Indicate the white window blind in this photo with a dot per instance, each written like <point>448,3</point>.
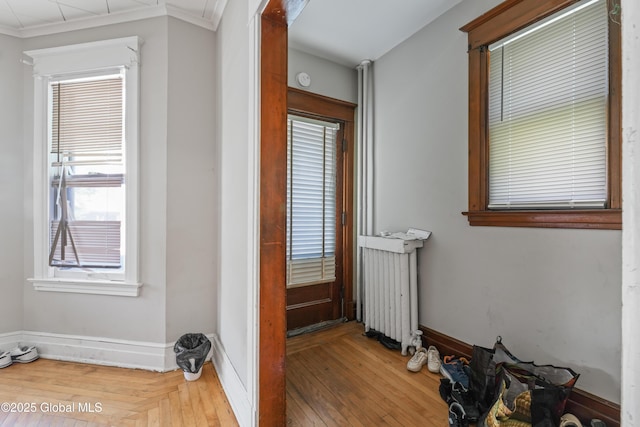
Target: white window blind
<point>87,172</point>
<point>87,121</point>
<point>97,243</point>
<point>311,201</point>
<point>548,88</point>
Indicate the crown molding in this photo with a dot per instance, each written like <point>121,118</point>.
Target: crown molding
<point>218,10</point>
<point>121,17</point>
<point>9,31</point>
<point>176,12</point>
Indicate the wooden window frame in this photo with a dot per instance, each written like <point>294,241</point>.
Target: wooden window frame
<point>507,18</point>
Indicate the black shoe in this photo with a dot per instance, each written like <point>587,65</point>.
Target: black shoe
<point>457,416</point>
<point>463,397</point>
<point>372,333</point>
<point>445,390</point>
<point>390,343</point>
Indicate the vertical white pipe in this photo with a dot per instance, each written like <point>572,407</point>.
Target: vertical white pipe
<point>630,375</point>
<point>368,138</point>
<point>364,224</point>
<point>360,257</point>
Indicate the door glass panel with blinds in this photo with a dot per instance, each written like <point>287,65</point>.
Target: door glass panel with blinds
<point>311,201</point>
<point>548,88</point>
<point>87,172</point>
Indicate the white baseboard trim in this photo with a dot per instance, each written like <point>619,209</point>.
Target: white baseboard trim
<point>98,351</point>
<point>236,392</point>
<point>149,356</point>
<point>8,340</point>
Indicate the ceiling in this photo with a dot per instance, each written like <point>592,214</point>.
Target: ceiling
<point>344,31</point>
<point>350,31</point>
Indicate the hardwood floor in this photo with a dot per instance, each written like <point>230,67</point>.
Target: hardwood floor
<point>335,377</point>
<point>74,394</point>
<point>339,377</point>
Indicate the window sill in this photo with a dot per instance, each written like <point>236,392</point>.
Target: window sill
<point>608,219</point>
<point>94,287</point>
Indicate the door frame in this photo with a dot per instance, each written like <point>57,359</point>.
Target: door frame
<point>274,21</point>
<point>271,398</point>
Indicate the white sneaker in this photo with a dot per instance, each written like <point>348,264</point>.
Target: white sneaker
<point>5,359</point>
<point>418,360</point>
<point>24,354</point>
<point>570,420</point>
<point>433,360</point>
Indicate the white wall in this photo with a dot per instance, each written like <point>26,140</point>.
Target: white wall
<point>237,41</point>
<point>11,194</point>
<point>553,295</point>
<point>191,193</point>
<point>327,78</point>
<point>630,411</point>
<point>236,185</point>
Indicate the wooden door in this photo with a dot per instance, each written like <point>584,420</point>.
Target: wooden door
<point>319,183</point>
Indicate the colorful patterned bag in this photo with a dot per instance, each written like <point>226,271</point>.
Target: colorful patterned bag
<point>511,392</point>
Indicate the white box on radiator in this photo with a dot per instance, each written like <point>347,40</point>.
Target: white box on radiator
<point>390,244</point>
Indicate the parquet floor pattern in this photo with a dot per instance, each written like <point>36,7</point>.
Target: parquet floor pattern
<point>339,377</point>
<point>69,394</point>
<point>335,377</point>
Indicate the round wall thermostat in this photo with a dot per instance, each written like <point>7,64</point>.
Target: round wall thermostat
<point>303,79</point>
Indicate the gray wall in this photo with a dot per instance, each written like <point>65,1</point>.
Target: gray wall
<point>191,193</point>
<point>553,295</point>
<point>141,318</point>
<point>176,231</point>
<point>327,78</point>
<point>11,179</point>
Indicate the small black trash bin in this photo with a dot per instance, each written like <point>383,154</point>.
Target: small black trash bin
<point>191,351</point>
